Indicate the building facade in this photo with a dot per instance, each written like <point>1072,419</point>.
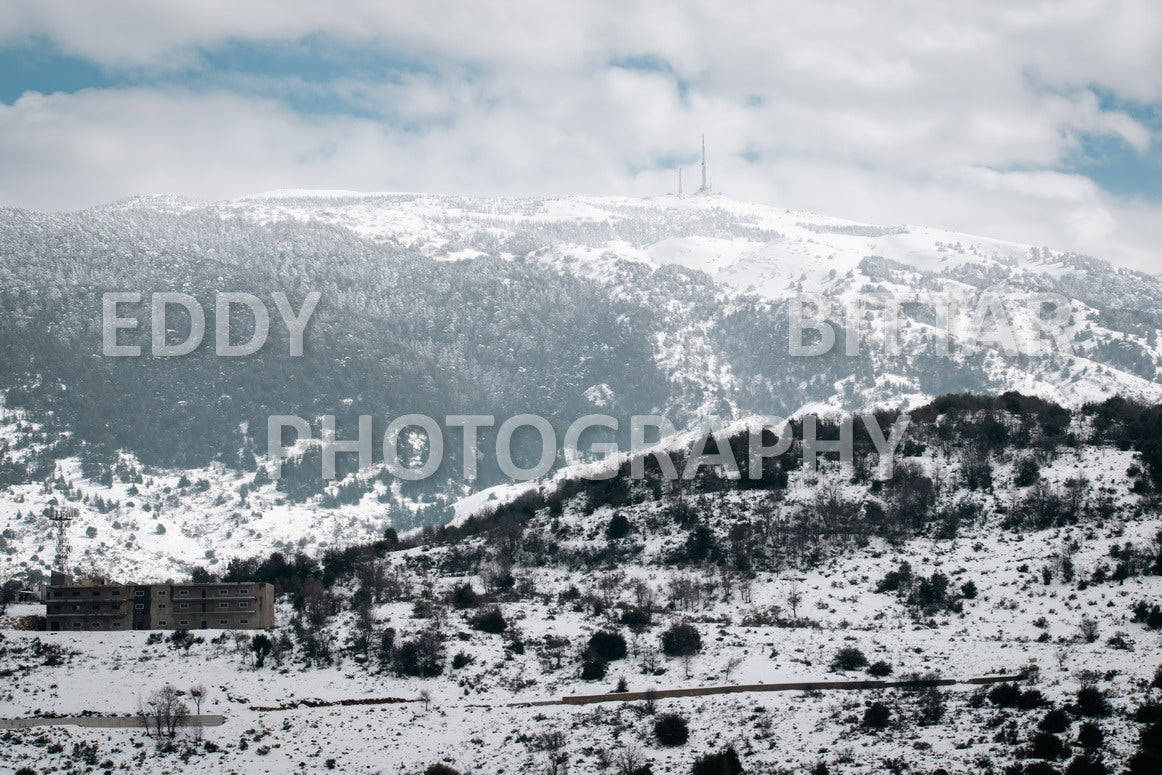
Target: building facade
<point>95,605</point>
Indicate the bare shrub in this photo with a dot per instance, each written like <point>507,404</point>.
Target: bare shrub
<point>165,710</point>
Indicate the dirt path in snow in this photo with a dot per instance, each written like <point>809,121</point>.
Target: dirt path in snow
<point>799,686</point>
<point>206,720</point>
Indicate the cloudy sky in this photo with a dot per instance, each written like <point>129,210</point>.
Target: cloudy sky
<point>1034,121</point>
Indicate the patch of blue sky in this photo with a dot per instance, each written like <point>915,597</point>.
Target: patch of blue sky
<point>36,67</point>
<point>313,75</point>
<point>1113,163</point>
<point>653,64</point>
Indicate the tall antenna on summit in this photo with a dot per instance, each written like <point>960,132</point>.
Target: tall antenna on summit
<point>679,182</point>
<point>705,188</point>
<point>703,163</point>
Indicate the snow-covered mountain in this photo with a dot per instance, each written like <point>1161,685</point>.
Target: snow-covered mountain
<point>1019,537</point>
<point>752,251</point>
<point>440,304</point>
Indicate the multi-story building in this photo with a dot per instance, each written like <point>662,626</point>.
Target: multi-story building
<point>100,605</point>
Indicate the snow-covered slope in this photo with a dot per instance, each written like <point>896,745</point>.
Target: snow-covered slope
<point>1046,603</point>
<point>777,255</point>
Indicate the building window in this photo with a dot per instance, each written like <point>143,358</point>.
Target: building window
<point>76,593</point>
<point>183,605</point>
<point>116,593</point>
<point>58,593</point>
<point>184,622</point>
<point>223,591</point>
<point>244,621</point>
<point>139,592</point>
<point>96,625</point>
<point>116,624</point>
<point>161,593</point>
<point>223,621</point>
<point>223,605</point>
<point>161,622</point>
<point>244,604</point>
<point>244,591</point>
<point>161,605</point>
<point>77,625</point>
<point>115,607</point>
<point>184,592</point>
<point>96,593</point>
<point>139,606</point>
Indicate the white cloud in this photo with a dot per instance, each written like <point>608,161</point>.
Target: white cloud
<point>895,111</point>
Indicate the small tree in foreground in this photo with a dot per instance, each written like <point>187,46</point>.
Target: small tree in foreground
<point>593,668</point>
<point>609,646</point>
<point>422,656</point>
<point>165,710</point>
<point>848,658</point>
<point>1091,701</point>
<point>261,645</point>
<point>464,596</point>
<point>725,762</point>
<point>618,527</point>
<point>491,621</point>
<point>877,716</point>
<point>9,591</point>
<point>671,729</point>
<point>631,761</point>
<point>198,695</point>
<point>681,640</point>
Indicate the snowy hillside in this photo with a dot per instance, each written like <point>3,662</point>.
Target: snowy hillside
<point>774,254</point>
<point>1038,558</point>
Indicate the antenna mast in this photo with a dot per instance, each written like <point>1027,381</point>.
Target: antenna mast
<point>61,518</point>
<point>705,189</point>
<point>679,182</point>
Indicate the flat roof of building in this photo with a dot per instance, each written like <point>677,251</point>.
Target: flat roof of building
<point>93,585</point>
